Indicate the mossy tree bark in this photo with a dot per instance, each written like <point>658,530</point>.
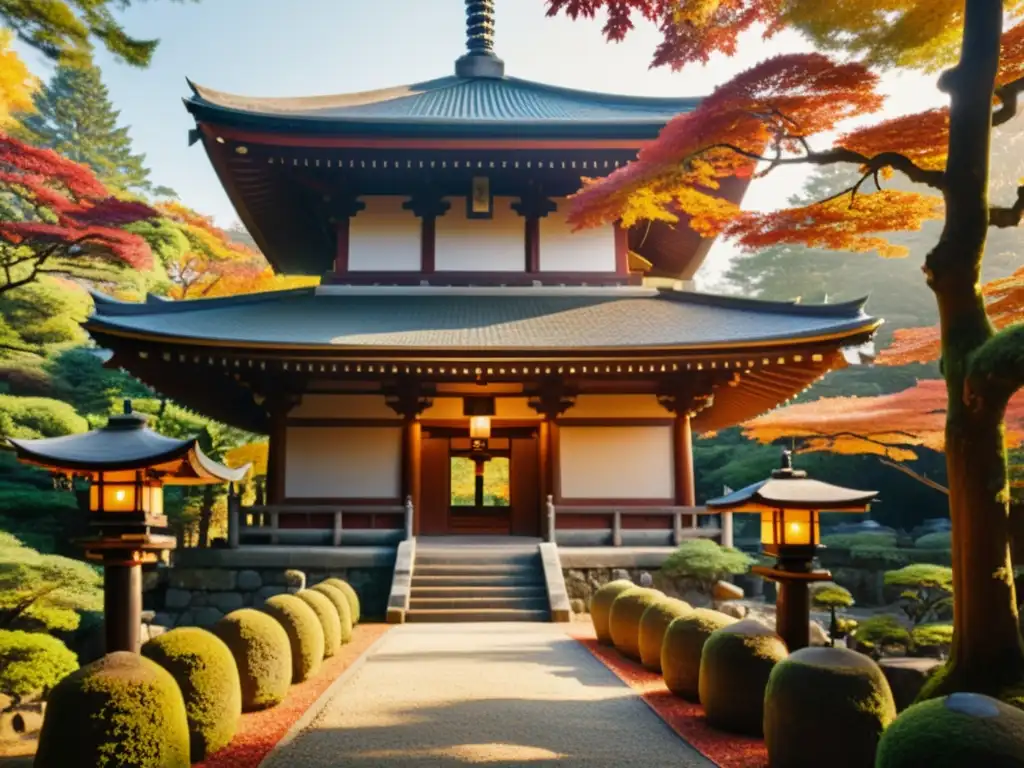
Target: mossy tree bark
<point>982,370</point>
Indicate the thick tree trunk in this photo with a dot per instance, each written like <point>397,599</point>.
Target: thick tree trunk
<point>987,654</point>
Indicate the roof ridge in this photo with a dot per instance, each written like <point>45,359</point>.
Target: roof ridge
<point>852,308</point>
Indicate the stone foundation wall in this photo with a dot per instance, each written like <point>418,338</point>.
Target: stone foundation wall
<point>181,597</point>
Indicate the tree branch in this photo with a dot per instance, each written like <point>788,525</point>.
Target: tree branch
<point>1008,218</point>
<point>995,370</point>
<point>916,475</point>
<point>1008,102</point>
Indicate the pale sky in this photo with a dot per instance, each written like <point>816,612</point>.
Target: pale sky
<point>307,47</point>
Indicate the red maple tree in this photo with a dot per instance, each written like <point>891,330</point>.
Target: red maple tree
<point>769,116</point>
<point>56,218</point>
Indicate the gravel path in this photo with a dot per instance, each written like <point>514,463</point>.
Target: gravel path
<point>494,694</point>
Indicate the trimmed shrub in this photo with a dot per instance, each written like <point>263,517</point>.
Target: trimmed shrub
<point>963,729</point>
<point>734,669</point>
<point>937,540</point>
<point>601,607</point>
<point>874,635</point>
<point>341,606</point>
<point>862,539</point>
<point>262,654</point>
<point>653,624</point>
<point>205,671</point>
<point>31,662</point>
<point>330,622</point>
<point>830,702</point>
<point>305,634</point>
<point>681,650</point>
<point>931,639</point>
<point>624,619</point>
<point>350,594</point>
<point>705,561</point>
<point>122,711</point>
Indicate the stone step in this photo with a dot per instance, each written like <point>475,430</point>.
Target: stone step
<point>463,590</point>
<point>475,569</point>
<point>461,616</point>
<point>476,557</point>
<point>417,603</point>
<point>463,580</point>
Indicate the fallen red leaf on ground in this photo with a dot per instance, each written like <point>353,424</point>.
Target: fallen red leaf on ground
<point>685,718</point>
<point>259,732</point>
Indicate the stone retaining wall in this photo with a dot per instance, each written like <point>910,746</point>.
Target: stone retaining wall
<point>201,596</point>
<point>582,583</point>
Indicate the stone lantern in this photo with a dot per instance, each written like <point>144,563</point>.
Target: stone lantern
<point>127,465</point>
<point>790,504</point>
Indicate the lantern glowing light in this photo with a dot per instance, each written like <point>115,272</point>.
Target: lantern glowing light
<point>480,427</point>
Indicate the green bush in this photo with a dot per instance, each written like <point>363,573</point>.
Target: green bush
<point>927,590</point>
<point>330,622</point>
<point>304,633</point>
<point>734,668</point>
<point>825,706</point>
<point>350,594</point>
<point>937,540</point>
<point>341,606</point>
<point>828,595</point>
<point>879,633</point>
<point>122,711</point>
<point>653,625</point>
<point>934,639</point>
<point>862,539</point>
<point>624,619</point>
<point>601,607</point>
<point>31,662</point>
<point>957,731</point>
<point>706,562</point>
<point>262,654</point>
<point>681,650</point>
<point>206,673</point>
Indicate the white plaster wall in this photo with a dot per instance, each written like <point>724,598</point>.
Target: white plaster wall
<point>617,406</point>
<point>562,250</point>
<point>497,244</point>
<point>383,237</point>
<point>342,407</point>
<point>343,462</point>
<point>616,462</point>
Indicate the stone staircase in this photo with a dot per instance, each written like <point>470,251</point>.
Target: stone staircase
<point>478,583</point>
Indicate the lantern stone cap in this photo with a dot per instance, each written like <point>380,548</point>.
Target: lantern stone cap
<point>790,488</point>
<point>127,443</point>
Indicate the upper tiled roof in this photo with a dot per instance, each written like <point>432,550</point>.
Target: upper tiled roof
<point>530,319</point>
<point>448,105</point>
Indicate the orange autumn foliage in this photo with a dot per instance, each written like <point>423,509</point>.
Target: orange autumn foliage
<point>886,425</point>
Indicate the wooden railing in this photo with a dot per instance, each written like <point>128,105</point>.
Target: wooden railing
<point>616,515</point>
<point>264,523</point>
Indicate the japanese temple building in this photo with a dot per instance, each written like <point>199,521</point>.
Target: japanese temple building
<point>454,290</point>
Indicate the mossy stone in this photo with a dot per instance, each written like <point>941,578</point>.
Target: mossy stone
<point>305,634</point>
<point>350,594</point>
<point>681,650</point>
<point>962,729</point>
<point>341,606</point>
<point>735,665</point>
<point>601,607</point>
<point>205,671</point>
<point>653,624</point>
<point>262,654</point>
<point>624,619</point>
<point>328,616</point>
<point>121,711</point>
<point>826,705</point>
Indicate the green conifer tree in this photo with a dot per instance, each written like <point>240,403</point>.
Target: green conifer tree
<point>75,117</point>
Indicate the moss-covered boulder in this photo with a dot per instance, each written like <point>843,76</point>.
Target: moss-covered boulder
<point>601,607</point>
<point>341,606</point>
<point>826,705</point>
<point>330,622</point>
<point>681,649</point>
<point>205,671</point>
<point>350,594</point>
<point>121,711</point>
<point>734,669</point>
<point>262,654</point>
<point>624,619</point>
<point>653,624</point>
<point>963,729</point>
<point>305,634</point>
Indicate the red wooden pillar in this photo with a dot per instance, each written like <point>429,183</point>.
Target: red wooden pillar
<point>686,495</point>
<point>343,211</point>
<point>621,250</point>
<point>533,207</point>
<point>277,449</point>
<point>412,451</point>
<point>428,208</point>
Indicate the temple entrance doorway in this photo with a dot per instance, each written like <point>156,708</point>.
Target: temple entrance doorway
<point>466,490</point>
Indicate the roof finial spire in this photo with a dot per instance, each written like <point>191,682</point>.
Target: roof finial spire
<point>479,59</point>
